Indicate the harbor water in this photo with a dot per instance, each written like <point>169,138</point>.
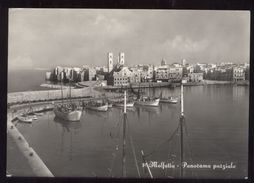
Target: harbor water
<point>215,134</point>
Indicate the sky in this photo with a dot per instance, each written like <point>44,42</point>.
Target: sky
<point>45,38</point>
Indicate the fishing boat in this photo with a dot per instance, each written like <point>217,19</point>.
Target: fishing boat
<point>25,119</point>
<point>69,111</point>
<point>147,101</point>
<point>121,104</point>
<point>38,113</point>
<point>97,106</point>
<point>171,100</point>
<point>110,105</point>
<point>33,117</point>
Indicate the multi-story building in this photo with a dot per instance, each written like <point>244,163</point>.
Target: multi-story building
<point>175,74</point>
<point>195,77</point>
<point>122,76</point>
<point>49,76</point>
<point>238,74</point>
<point>90,74</point>
<point>162,73</point>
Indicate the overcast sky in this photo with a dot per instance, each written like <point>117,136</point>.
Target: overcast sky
<point>45,38</point>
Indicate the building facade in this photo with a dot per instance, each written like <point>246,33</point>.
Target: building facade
<point>175,74</point>
<point>238,74</point>
<point>195,77</point>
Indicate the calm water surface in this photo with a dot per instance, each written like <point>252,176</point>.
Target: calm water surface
<point>215,132</point>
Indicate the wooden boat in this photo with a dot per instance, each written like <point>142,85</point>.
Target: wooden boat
<point>68,112</point>
<point>33,117</point>
<point>24,119</point>
<point>97,106</point>
<point>121,104</point>
<point>170,100</point>
<point>147,101</point>
<point>39,113</point>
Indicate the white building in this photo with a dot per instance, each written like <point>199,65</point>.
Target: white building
<point>238,74</point>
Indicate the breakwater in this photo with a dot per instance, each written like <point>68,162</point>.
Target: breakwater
<point>33,160</point>
<point>45,95</point>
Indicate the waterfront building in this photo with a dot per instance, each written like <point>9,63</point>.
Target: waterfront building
<point>162,73</point>
<point>49,76</point>
<point>90,74</point>
<point>122,77</point>
<point>57,73</point>
<point>175,74</point>
<point>238,74</point>
<point>190,69</point>
<point>195,77</point>
<point>219,74</point>
<point>75,72</point>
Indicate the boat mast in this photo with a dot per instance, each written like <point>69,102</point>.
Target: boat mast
<point>124,138</point>
<point>70,89</point>
<point>181,132</point>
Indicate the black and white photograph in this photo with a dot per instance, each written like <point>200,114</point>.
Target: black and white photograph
<point>128,93</point>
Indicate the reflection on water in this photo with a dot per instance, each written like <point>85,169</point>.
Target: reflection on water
<point>215,131</point>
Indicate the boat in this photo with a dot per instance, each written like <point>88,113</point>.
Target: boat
<point>121,104</point>
<point>97,106</point>
<point>147,101</point>
<point>25,119</point>
<point>39,113</point>
<point>171,100</point>
<point>69,111</point>
<point>33,117</point>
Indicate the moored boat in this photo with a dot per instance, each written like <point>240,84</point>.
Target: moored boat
<point>38,113</point>
<point>25,119</point>
<point>146,101</point>
<point>97,106</point>
<point>121,104</point>
<point>68,113</point>
<point>170,100</point>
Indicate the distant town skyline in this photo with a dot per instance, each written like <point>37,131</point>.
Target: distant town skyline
<point>45,38</point>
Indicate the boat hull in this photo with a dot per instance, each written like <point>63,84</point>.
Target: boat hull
<point>25,120</point>
<point>68,116</point>
<point>170,101</point>
<point>129,104</point>
<point>102,108</point>
<point>151,103</point>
